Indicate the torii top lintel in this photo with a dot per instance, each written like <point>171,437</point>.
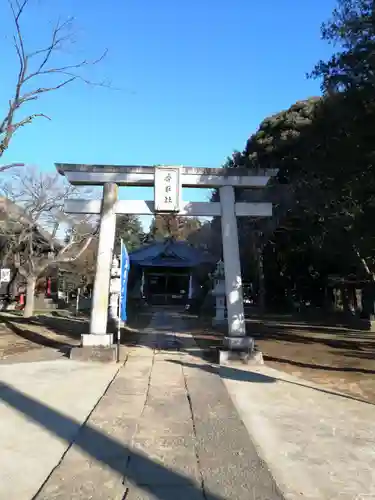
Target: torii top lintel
<point>132,175</point>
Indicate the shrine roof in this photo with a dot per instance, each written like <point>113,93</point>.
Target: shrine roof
<point>170,253</point>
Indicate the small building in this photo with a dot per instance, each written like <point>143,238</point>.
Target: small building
<point>169,272</point>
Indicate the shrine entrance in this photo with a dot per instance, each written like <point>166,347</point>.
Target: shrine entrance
<point>167,287</point>
<point>167,271</point>
<point>168,182</point>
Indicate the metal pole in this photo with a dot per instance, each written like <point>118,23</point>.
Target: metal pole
<point>77,301</point>
<point>119,306</point>
<point>119,327</point>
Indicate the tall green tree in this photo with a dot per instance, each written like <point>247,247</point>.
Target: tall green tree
<point>323,196</point>
<point>351,29</point>
<point>173,226</point>
<point>129,229</point>
<point>324,193</point>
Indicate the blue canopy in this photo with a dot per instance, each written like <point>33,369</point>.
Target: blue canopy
<point>170,253</point>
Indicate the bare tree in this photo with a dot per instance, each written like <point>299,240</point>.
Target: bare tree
<point>34,67</point>
<point>39,234</point>
<point>81,272</point>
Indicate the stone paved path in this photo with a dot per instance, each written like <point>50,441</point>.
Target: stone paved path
<point>42,406</point>
<point>163,430</point>
<point>320,445</point>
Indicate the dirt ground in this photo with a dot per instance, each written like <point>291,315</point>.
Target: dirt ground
<point>58,330</point>
<point>337,357</point>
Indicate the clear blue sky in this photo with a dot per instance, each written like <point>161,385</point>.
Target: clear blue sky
<point>196,77</point>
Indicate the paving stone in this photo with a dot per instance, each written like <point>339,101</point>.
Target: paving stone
<point>124,405</point>
<point>229,463</point>
<point>140,442</point>
<point>120,429</point>
<point>86,480</point>
<point>163,391</point>
<point>130,386</point>
<point>155,463</point>
<point>165,493</point>
<point>151,427</point>
<point>159,412</point>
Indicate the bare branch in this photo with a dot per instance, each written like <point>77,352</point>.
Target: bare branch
<point>44,68</point>
<point>17,13</point>
<point>33,95</point>
<point>55,42</point>
<point>35,224</point>
<point>364,264</point>
<point>28,120</point>
<point>3,168</point>
<point>77,255</point>
<point>66,70</point>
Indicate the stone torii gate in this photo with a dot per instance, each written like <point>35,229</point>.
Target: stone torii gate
<point>167,182</point>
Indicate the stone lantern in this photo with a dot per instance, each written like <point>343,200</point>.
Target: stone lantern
<point>219,293</point>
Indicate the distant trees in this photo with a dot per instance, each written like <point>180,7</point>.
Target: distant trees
<point>172,226</point>
<point>33,225</point>
<point>129,229</point>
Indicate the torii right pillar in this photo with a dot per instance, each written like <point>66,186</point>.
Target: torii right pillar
<point>237,344</point>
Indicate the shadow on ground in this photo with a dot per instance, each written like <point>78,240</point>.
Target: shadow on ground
<point>60,330</point>
<point>308,335</point>
<point>99,446</point>
<point>228,372</point>
<point>237,374</point>
<point>53,332</point>
<point>315,318</point>
<point>315,366</point>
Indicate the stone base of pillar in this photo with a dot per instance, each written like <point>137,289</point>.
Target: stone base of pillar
<point>240,349</point>
<point>94,353</point>
<point>239,343</point>
<point>94,340</point>
<point>245,357</point>
<point>372,326</point>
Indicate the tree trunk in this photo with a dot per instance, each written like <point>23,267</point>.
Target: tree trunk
<point>258,256</point>
<point>30,296</point>
<point>345,299</point>
<point>261,284</point>
<point>13,285</point>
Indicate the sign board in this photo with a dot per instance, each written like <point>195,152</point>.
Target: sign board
<point>167,189</point>
<point>4,275</point>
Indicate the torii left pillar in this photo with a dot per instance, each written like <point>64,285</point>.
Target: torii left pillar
<point>98,335</point>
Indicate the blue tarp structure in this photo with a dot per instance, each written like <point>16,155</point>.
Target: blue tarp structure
<point>170,253</point>
<point>124,267</point>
